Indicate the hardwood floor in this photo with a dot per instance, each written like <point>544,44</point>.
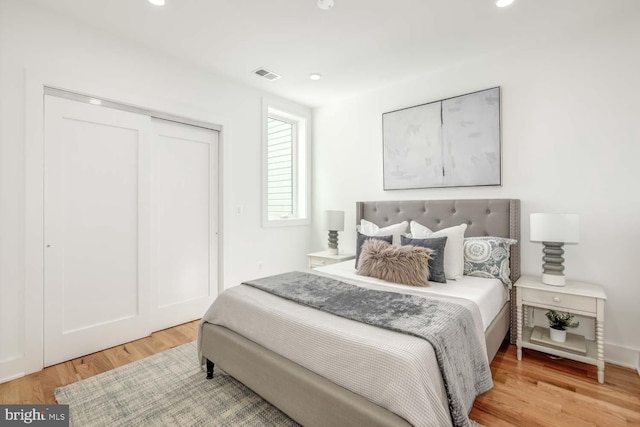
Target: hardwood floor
<point>538,391</point>
<point>38,388</point>
<point>541,391</point>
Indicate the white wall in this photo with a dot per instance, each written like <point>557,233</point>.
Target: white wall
<point>82,59</point>
<point>571,144</point>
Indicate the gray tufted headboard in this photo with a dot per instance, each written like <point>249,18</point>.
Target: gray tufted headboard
<point>484,217</point>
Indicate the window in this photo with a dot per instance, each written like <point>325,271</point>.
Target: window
<point>285,162</point>
<point>281,180</point>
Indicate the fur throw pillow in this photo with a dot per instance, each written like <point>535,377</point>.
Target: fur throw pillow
<point>408,265</point>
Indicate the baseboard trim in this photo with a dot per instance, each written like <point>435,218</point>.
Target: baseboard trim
<point>12,377</point>
<point>622,356</point>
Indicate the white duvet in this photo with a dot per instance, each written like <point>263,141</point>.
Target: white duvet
<point>393,370</point>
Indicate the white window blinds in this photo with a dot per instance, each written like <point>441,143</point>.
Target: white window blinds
<point>281,137</point>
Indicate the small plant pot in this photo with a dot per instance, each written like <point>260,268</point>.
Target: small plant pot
<point>557,335</point>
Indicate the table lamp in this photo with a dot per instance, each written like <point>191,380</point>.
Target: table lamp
<point>335,223</point>
<point>554,230</point>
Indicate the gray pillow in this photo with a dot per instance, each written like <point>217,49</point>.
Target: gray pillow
<point>488,257</point>
<point>407,265</point>
<point>363,237</point>
<point>436,263</point>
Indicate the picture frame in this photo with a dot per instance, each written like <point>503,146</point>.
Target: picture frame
<point>453,142</point>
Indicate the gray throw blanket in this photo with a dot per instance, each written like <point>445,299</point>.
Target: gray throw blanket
<point>447,326</point>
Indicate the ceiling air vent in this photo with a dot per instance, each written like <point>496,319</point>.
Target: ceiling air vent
<point>269,75</point>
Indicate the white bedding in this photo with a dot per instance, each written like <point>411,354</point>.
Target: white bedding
<point>396,371</point>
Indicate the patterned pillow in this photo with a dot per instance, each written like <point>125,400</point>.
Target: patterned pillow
<point>436,263</point>
<point>407,265</point>
<point>488,257</point>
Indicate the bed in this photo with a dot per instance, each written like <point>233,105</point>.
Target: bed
<point>315,392</point>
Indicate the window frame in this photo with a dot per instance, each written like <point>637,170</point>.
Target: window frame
<point>300,118</point>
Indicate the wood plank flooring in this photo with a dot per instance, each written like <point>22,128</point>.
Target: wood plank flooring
<point>38,388</point>
<point>544,391</point>
<point>538,391</point>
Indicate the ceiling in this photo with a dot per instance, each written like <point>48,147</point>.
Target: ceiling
<point>357,46</point>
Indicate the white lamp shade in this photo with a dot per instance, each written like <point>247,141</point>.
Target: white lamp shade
<point>563,228</point>
<point>335,220</point>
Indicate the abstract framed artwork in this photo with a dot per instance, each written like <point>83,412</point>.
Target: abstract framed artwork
<point>454,142</point>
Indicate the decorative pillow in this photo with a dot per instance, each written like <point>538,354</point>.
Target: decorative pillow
<point>453,251</point>
<point>407,265</point>
<point>488,257</point>
<point>362,238</point>
<point>436,263</point>
<point>370,229</point>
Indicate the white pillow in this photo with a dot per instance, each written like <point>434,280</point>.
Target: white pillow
<point>396,230</point>
<point>453,250</point>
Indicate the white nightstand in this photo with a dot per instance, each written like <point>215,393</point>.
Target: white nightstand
<point>320,259</point>
<point>585,299</point>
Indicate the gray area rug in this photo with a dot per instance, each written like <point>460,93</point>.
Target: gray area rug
<point>167,389</point>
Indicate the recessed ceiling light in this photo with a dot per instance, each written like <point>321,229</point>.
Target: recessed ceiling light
<point>503,3</point>
<point>157,2</point>
<point>315,76</point>
<point>95,101</point>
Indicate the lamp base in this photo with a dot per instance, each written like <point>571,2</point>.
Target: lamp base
<point>553,279</point>
<point>333,242</point>
<point>553,264</point>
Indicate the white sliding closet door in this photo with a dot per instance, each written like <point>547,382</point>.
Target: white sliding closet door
<point>131,226</point>
<point>184,221</point>
<point>97,221</point>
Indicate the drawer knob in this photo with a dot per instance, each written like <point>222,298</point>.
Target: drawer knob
<point>556,299</point>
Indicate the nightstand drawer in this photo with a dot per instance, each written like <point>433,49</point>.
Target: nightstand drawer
<point>320,259</point>
<point>561,301</point>
<point>319,262</point>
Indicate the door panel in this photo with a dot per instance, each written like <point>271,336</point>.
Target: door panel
<point>184,221</point>
<point>100,224</point>
<point>96,293</point>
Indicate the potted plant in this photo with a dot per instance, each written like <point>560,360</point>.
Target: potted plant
<point>558,324</point>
